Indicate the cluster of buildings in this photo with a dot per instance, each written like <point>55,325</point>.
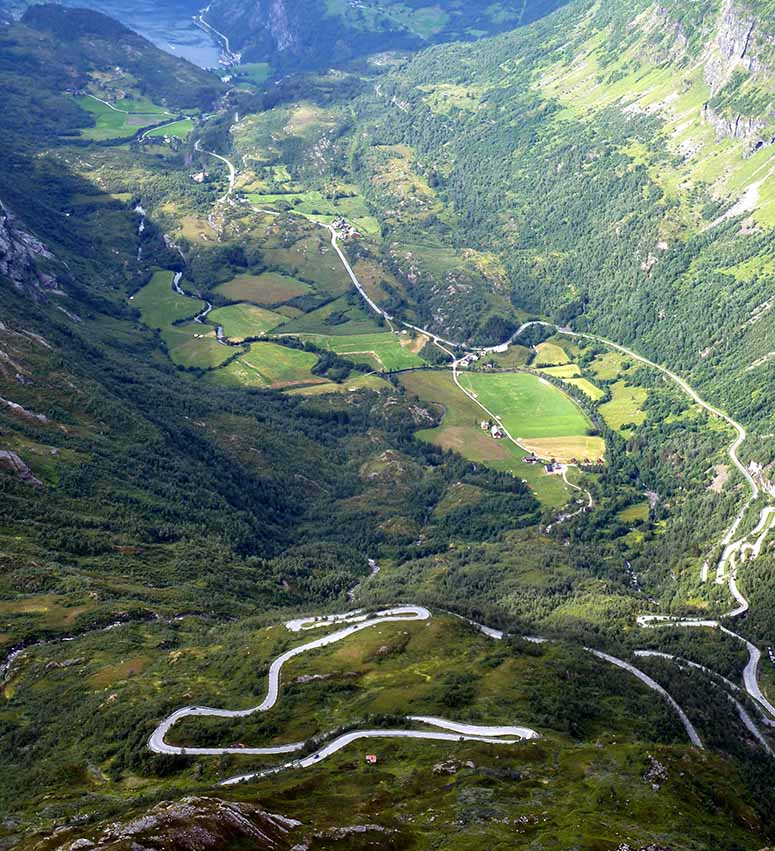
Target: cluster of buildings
<point>554,467</point>
<point>551,467</point>
<point>495,430</point>
<point>344,229</point>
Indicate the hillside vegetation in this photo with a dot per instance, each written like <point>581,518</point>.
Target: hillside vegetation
<point>206,429</point>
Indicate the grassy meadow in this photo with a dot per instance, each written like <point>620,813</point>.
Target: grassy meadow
<point>460,431</point>
<point>536,413</point>
<point>245,320</point>
<point>160,305</point>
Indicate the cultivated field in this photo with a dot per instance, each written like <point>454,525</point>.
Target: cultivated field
<point>245,320</point>
<point>625,406</point>
<point>460,431</point>
<point>268,288</point>
<point>549,354</point>
<point>385,350</point>
<point>568,370</point>
<point>586,387</point>
<point>112,124</point>
<point>160,305</point>
<point>528,406</point>
<point>336,318</point>
<point>356,381</point>
<point>312,259</point>
<point>271,365</point>
<point>181,129</point>
<point>538,414</point>
<point>195,345</point>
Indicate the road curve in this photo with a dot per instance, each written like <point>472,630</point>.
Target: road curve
<point>445,730</point>
<point>157,742</point>
<point>655,686</point>
<point>748,722</point>
<point>730,546</point>
<point>232,171</point>
<point>460,732</point>
<point>727,544</point>
<point>741,711</point>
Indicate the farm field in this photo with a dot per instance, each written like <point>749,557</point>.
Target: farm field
<point>271,365</point>
<point>312,259</point>
<point>245,320</point>
<point>608,365</point>
<point>160,305</point>
<point>268,288</point>
<point>181,129</point>
<point>587,387</point>
<point>625,406</point>
<point>354,382</point>
<point>550,354</point>
<point>514,357</point>
<point>336,318</point>
<point>568,370</point>
<point>536,413</point>
<point>112,124</point>
<point>195,345</point>
<point>460,431</point>
<point>385,350</point>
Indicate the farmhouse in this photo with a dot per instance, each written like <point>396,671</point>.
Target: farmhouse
<point>371,758</point>
<point>344,229</point>
<point>530,459</point>
<point>497,432</point>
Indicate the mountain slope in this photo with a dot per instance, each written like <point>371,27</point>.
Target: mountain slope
<point>314,33</point>
<point>618,165</point>
<point>169,497</point>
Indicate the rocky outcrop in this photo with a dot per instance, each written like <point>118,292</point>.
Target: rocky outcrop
<point>11,462</point>
<point>191,824</point>
<point>731,47</point>
<point>20,254</point>
<point>736,126</point>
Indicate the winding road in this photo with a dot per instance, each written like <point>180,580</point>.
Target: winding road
<point>731,547</point>
<point>229,164</point>
<point>445,730</point>
<point>356,621</point>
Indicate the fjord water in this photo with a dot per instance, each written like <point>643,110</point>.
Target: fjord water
<point>167,23</point>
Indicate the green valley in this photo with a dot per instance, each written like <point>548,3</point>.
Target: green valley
<point>386,429</point>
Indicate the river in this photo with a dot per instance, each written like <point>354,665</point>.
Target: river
<point>168,24</point>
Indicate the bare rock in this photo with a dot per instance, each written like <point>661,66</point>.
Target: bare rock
<point>656,773</point>
<point>10,461</point>
<point>193,824</point>
<point>20,252</point>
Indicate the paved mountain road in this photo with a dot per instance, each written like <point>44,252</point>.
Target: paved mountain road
<point>446,730</point>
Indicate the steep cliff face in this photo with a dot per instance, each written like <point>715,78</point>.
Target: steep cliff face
<point>737,50</point>
<point>267,26</point>
<point>21,254</point>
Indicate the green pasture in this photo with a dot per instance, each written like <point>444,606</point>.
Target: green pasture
<point>245,320</point>
<point>160,305</point>
<point>268,288</point>
<point>383,349</point>
<point>271,365</point>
